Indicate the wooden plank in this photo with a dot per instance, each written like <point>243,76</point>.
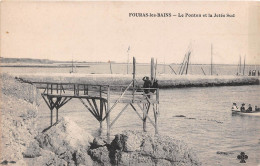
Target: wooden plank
<point>136,111</point>
<point>108,102</point>
<point>96,107</point>
<point>93,109</point>
<point>147,115</point>
<point>119,115</point>
<point>203,71</point>
<point>65,101</point>
<point>172,70</point>
<point>88,108</point>
<point>46,101</point>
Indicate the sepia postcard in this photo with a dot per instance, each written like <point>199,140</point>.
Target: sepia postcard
<point>131,83</point>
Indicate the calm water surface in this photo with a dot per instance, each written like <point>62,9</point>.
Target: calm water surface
<point>208,127</point>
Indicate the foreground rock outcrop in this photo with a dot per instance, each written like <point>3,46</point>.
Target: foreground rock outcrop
<point>139,148</point>
<point>19,112</point>
<point>66,144</point>
<point>68,141</point>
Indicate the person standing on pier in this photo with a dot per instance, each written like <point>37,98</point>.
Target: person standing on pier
<point>147,85</point>
<point>155,85</point>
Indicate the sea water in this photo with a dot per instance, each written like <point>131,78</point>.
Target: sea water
<point>207,124</point>
<point>104,68</point>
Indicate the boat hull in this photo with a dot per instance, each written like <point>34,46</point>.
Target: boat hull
<point>254,113</point>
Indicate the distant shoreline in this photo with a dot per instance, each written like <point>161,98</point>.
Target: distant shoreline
<point>49,62</point>
<point>44,66</point>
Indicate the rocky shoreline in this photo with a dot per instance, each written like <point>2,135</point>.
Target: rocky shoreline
<point>65,143</point>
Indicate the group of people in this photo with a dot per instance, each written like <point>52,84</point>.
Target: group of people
<point>150,86</point>
<point>253,73</point>
<point>243,109</point>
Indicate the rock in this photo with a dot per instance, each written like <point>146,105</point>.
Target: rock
<point>47,158</point>
<point>16,132</point>
<point>101,155</point>
<point>81,157</point>
<point>140,148</point>
<point>179,116</point>
<point>5,162</point>
<point>33,150</point>
<point>68,142</point>
<point>98,142</point>
<point>64,136</point>
<point>128,141</point>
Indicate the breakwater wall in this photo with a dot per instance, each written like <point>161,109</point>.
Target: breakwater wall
<point>165,81</point>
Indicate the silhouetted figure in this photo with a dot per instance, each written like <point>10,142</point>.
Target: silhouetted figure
<point>155,85</point>
<point>249,108</point>
<point>250,73</point>
<point>258,73</point>
<point>234,107</point>
<point>253,72</point>
<point>242,108</point>
<point>147,84</point>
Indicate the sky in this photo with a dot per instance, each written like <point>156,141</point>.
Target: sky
<point>103,31</point>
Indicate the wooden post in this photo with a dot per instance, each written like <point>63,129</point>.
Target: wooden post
<point>108,114</point>
<point>51,116</point>
<point>155,119</point>
<point>244,65</point>
<point>57,88</point>
<point>144,117</point>
<point>152,69</point>
<point>133,78</point>
<point>100,125</point>
<point>111,72</point>
<point>101,107</point>
<point>211,67</point>
<point>57,115</point>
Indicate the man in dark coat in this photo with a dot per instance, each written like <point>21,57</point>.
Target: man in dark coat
<point>155,85</point>
<point>147,84</point>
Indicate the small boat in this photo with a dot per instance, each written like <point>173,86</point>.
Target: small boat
<point>253,113</point>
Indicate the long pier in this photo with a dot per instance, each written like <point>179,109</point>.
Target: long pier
<point>101,100</point>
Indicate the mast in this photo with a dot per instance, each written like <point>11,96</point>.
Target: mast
<point>164,66</point>
<point>127,58</point>
<point>71,71</point>
<point>244,65</point>
<point>188,63</point>
<point>240,64</point>
<point>211,61</point>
